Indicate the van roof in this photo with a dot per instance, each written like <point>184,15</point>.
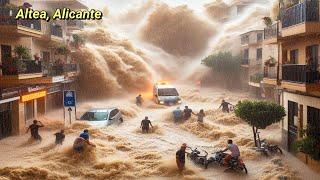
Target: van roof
<point>164,86</point>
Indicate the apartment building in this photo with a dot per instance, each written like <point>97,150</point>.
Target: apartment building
<point>251,59</point>
<point>298,78</point>
<point>35,64</point>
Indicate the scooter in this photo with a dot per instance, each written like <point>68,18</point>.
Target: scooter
<point>266,148</point>
<point>234,164</point>
<point>195,156</point>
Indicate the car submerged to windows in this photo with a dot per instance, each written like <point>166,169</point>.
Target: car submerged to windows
<point>166,94</point>
<point>102,116</point>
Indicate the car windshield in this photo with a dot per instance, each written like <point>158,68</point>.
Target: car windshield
<point>95,116</point>
<point>168,92</point>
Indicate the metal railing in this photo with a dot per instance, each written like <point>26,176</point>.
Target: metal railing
<point>75,23</point>
<point>272,31</point>
<point>58,70</point>
<point>270,72</point>
<point>257,78</point>
<point>22,67</point>
<point>299,73</point>
<point>7,17</point>
<point>56,31</point>
<point>307,11</point>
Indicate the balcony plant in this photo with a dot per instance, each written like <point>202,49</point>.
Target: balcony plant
<point>267,21</point>
<point>271,62</point>
<point>22,52</point>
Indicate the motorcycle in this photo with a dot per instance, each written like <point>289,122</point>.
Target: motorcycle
<point>195,156</point>
<point>267,148</point>
<point>235,163</point>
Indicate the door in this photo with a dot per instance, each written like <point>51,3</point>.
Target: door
<point>313,120</point>
<point>5,120</point>
<point>292,128</point>
<point>312,56</point>
<point>6,60</point>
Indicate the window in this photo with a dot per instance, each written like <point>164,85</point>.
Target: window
<point>259,54</point>
<point>29,105</point>
<point>259,37</point>
<point>294,56</point>
<point>113,113</point>
<point>168,92</point>
<point>312,56</point>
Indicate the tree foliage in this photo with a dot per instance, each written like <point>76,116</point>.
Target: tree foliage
<point>259,114</point>
<point>223,62</point>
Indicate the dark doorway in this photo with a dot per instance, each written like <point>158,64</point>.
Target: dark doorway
<point>313,120</point>
<point>5,120</point>
<point>312,56</point>
<point>292,128</point>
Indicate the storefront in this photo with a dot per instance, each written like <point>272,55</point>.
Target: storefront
<point>34,104</point>
<point>54,98</point>
<point>9,112</point>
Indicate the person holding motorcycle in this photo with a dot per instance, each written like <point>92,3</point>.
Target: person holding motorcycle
<point>235,153</point>
<point>225,106</point>
<point>181,157</point>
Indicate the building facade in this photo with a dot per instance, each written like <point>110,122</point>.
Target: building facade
<point>297,34</point>
<point>36,65</point>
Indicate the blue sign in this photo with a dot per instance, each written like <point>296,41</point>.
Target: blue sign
<point>69,98</point>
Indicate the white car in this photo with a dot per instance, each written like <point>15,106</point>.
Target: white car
<point>103,116</point>
<point>166,94</point>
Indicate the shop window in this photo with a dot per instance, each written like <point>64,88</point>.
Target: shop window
<point>29,110</point>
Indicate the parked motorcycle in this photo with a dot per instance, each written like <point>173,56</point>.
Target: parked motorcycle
<point>194,155</point>
<point>234,163</point>
<point>266,148</point>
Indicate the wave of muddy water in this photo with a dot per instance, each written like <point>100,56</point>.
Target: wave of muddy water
<point>123,152</point>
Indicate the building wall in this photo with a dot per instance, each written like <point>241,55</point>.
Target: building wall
<point>300,44</point>
<point>301,100</point>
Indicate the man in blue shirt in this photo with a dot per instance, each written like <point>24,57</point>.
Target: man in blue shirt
<point>85,134</point>
<point>177,114</point>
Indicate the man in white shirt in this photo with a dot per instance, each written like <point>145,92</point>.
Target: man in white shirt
<point>234,152</point>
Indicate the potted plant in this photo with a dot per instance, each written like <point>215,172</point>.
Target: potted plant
<point>77,40</point>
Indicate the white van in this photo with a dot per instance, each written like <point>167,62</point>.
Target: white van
<point>166,94</point>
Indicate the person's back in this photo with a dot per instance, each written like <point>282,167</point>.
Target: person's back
<point>200,115</point>
<point>235,152</point>
<point>85,135</point>
<point>60,136</point>
<point>145,123</point>
<point>78,144</point>
<point>187,113</point>
<point>177,113</point>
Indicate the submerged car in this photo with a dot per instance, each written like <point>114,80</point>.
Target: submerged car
<point>103,116</point>
<point>166,94</point>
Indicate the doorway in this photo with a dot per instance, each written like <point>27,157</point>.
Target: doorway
<point>5,120</point>
<point>292,124</point>
<point>6,60</point>
<point>313,120</point>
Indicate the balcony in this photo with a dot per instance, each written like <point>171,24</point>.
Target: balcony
<point>302,18</point>
<point>9,25</point>
<point>270,75</point>
<point>256,79</point>
<point>300,77</point>
<point>75,25</point>
<point>271,34</point>
<point>21,72</point>
<point>71,70</point>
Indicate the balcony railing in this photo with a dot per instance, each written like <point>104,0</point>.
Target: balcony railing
<point>307,11</point>
<point>245,61</point>
<point>71,68</point>
<point>7,18</point>
<point>75,23</point>
<point>270,72</point>
<point>56,30</point>
<point>271,32</point>
<point>299,73</point>
<point>59,70</point>
<point>22,67</point>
